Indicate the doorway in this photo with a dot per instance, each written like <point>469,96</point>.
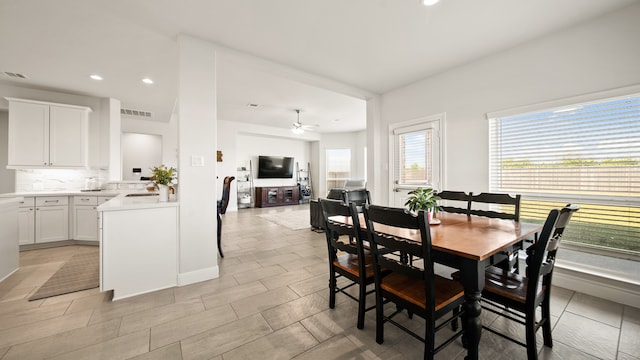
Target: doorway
<point>416,157</point>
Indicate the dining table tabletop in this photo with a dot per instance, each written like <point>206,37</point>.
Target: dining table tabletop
<point>467,243</point>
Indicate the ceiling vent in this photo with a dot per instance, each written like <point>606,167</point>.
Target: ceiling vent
<point>15,75</point>
<point>139,114</point>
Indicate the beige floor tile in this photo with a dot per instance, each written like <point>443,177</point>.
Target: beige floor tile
<point>294,311</point>
<point>42,329</point>
<point>304,262</point>
<point>238,268</point>
<point>560,351</point>
<point>65,342</point>
<point>560,298</point>
<point>19,306</point>
<point>43,312</point>
<point>257,274</point>
<point>115,309</point>
<point>332,322</point>
<point>260,302</point>
<point>590,336</point>
<point>176,330</point>
<point>630,338</point>
<point>631,314</point>
<point>18,293</point>
<point>123,347</point>
<point>159,315</point>
<point>597,309</point>
<point>3,351</point>
<point>339,347</point>
<point>204,288</point>
<point>169,352</point>
<point>621,356</point>
<point>225,338</point>
<point>283,344</point>
<point>90,302</point>
<point>290,277</point>
<point>71,296</point>
<point>229,295</point>
<point>312,285</point>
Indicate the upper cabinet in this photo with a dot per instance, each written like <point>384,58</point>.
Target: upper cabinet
<point>49,135</point>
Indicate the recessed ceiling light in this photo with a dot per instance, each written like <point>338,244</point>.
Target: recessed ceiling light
<point>429,2</point>
<point>96,77</point>
<point>147,81</point>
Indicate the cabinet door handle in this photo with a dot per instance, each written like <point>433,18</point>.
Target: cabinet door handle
<point>85,199</point>
<point>51,201</point>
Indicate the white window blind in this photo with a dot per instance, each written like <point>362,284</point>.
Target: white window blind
<point>414,156</point>
<point>585,153</point>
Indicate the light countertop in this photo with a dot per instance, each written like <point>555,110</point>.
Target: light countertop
<point>123,202</point>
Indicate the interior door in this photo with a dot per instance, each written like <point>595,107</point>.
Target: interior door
<point>416,151</point>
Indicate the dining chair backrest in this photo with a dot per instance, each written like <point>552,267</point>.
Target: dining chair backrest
<point>451,198</point>
<point>360,197</point>
<point>504,200</point>
<point>226,190</point>
<point>335,194</point>
<point>542,254</point>
<point>340,235</point>
<point>388,249</point>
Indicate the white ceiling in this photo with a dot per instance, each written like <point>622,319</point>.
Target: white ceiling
<point>323,57</point>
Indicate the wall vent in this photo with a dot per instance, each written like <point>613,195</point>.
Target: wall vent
<point>15,75</point>
<point>136,113</point>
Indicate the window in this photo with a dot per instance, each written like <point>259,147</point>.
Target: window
<point>338,167</point>
<point>585,153</point>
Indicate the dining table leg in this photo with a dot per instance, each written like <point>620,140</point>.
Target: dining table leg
<point>473,281</point>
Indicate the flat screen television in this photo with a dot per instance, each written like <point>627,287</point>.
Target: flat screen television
<point>275,167</point>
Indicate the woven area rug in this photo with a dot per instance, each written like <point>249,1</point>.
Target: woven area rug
<point>294,220</point>
<point>80,272</point>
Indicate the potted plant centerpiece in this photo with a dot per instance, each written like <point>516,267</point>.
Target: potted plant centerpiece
<point>163,176</point>
<point>424,199</point>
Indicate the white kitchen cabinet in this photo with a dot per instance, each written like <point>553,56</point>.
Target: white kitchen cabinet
<point>26,221</point>
<point>52,219</point>
<point>45,134</point>
<point>84,216</point>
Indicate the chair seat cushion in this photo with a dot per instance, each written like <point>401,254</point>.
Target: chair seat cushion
<point>349,263</point>
<point>412,289</point>
<point>507,284</point>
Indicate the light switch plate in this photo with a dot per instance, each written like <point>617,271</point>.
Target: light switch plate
<point>197,160</point>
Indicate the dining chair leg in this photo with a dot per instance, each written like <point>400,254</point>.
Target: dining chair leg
<point>532,350</point>
<point>429,339</point>
<point>454,322</point>
<point>546,326</point>
<point>332,288</point>
<point>362,305</point>
<point>220,235</point>
<point>379,318</point>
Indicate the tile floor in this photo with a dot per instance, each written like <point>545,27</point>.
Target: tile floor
<point>270,302</point>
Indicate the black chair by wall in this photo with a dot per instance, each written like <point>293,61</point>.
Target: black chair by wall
<point>360,197</point>
<point>222,208</point>
<point>517,297</point>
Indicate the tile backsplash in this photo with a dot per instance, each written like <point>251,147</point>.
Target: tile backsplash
<point>28,180</point>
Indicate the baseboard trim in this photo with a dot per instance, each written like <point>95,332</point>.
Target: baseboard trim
<point>622,292</point>
<point>9,274</point>
<point>198,275</point>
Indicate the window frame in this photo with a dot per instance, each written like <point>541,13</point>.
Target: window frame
<point>609,95</point>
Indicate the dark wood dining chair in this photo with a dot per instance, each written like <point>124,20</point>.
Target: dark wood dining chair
<point>517,297</point>
<point>347,257</point>
<point>508,208</point>
<point>416,289</point>
<point>222,208</point>
<point>460,198</point>
<point>360,197</point>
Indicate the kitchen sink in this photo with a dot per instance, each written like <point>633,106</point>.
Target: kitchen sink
<point>141,194</point>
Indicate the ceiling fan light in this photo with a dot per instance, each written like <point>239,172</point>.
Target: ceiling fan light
<point>429,2</point>
<point>297,130</point>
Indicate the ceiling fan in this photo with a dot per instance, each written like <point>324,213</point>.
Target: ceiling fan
<point>298,128</point>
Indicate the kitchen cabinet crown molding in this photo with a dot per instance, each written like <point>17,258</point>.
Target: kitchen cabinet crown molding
<point>49,103</point>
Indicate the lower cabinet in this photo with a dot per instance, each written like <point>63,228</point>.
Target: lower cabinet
<point>84,217</point>
<point>51,219</point>
<point>27,221</point>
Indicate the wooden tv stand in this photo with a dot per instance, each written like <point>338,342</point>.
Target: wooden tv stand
<point>277,196</point>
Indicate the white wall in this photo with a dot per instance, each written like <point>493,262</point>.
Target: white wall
<point>143,151</point>
<point>197,130</point>
<point>167,130</point>
<point>595,56</point>
<point>7,177</point>
<point>354,141</point>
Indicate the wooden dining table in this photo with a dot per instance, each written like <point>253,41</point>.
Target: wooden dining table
<point>467,243</point>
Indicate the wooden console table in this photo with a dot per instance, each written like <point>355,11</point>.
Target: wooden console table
<point>277,196</point>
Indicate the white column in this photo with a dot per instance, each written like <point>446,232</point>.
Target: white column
<point>197,122</point>
<point>377,168</point>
